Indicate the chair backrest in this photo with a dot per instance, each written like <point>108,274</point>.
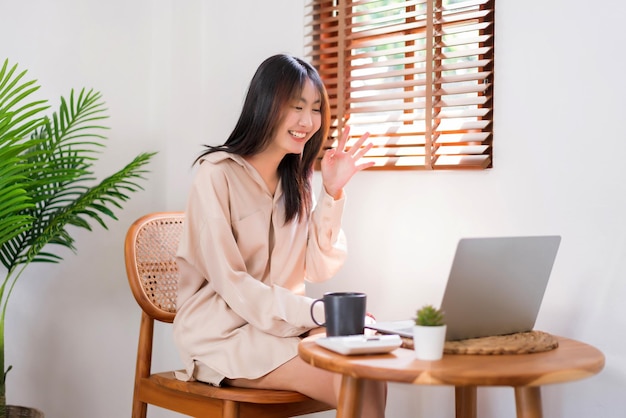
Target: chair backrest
<point>150,251</point>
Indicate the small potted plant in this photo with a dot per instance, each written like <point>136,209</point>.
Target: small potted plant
<point>429,333</point>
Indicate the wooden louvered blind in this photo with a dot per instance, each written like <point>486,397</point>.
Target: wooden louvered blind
<point>416,74</point>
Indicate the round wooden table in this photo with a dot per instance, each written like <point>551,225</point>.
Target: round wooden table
<point>526,373</point>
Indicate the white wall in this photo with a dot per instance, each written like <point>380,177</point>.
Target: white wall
<point>173,74</point>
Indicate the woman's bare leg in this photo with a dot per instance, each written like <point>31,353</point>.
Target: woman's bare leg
<point>299,376</point>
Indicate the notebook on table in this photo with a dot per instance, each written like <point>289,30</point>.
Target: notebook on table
<point>495,287</point>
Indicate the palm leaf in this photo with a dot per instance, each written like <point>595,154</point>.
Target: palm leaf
<point>17,121</point>
<point>94,204</point>
<point>58,163</point>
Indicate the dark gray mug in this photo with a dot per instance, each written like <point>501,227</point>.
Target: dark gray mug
<point>344,313</point>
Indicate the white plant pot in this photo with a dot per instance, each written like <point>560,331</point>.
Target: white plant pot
<point>429,341</point>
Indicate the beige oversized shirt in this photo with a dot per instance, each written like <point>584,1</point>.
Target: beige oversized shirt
<point>241,303</point>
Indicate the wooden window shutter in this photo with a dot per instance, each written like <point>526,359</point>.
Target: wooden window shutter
<point>416,74</point>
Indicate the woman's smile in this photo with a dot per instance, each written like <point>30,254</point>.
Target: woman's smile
<point>298,134</point>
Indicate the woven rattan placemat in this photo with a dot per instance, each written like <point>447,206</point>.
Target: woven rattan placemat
<point>519,343</point>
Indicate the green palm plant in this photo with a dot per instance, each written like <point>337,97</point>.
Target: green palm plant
<point>47,183</point>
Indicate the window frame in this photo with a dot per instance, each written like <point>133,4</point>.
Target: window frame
<point>334,42</point>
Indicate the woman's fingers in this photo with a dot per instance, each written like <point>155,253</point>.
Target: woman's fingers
<point>344,138</point>
<point>358,144</point>
<point>356,151</point>
<point>362,151</point>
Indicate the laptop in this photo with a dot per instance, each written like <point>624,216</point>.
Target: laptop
<point>495,287</point>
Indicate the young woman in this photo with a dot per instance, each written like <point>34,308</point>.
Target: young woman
<point>253,234</point>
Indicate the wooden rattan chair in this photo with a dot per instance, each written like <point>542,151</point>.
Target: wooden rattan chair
<point>150,247</point>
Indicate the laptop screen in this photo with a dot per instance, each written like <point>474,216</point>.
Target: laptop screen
<point>495,287</point>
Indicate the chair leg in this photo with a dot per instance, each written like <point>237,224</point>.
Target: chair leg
<point>144,362</point>
<point>139,409</point>
<point>231,409</point>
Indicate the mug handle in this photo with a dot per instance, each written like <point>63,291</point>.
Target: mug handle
<point>313,316</point>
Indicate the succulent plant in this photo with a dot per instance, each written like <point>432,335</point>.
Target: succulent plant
<point>429,316</point>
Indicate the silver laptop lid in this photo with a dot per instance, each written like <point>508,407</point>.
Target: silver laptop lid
<point>496,285</point>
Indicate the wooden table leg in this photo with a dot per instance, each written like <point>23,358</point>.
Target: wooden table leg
<point>350,402</point>
<point>465,401</point>
<point>528,402</point>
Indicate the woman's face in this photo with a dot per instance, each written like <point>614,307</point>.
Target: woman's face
<point>302,119</point>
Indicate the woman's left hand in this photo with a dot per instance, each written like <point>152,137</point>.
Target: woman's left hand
<point>339,165</point>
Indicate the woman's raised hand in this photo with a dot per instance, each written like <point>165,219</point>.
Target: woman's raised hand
<point>339,165</point>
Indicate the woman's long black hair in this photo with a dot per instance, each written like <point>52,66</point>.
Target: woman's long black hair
<point>277,81</point>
